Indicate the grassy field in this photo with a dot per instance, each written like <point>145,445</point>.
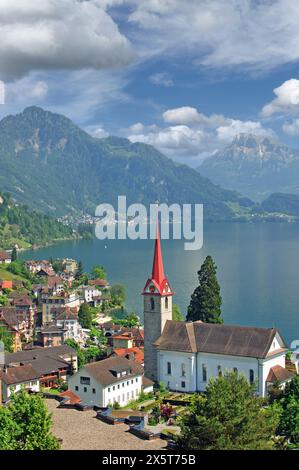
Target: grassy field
<point>7,276</point>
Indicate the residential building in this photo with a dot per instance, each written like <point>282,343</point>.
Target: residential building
<point>51,302</point>
<point>67,318</point>
<point>50,335</point>
<point>36,266</point>
<point>9,320</point>
<point>105,382</point>
<point>51,364</point>
<point>136,354</point>
<point>90,292</point>
<point>15,378</point>
<point>5,258</point>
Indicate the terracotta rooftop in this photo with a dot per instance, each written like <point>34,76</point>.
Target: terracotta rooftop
<point>279,374</point>
<point>218,339</point>
<point>137,353</point>
<point>4,255</point>
<point>72,397</point>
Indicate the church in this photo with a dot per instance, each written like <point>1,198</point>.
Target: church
<point>186,355</point>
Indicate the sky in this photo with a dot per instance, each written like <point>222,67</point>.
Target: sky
<point>186,76</point>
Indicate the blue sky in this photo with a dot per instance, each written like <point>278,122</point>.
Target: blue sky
<point>183,75</point>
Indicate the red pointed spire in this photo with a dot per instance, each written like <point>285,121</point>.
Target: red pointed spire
<point>158,283</point>
<point>158,270</point>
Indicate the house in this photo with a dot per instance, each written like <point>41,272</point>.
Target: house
<point>9,320</point>
<point>51,302</point>
<point>67,318</point>
<point>45,272</point>
<point>127,338</point>
<point>55,285</point>
<point>36,266</point>
<point>105,382</point>
<point>51,364</point>
<point>110,328</point>
<point>101,284</point>
<point>50,335</point>
<point>15,378</point>
<point>136,354</point>
<point>189,354</point>
<point>5,284</point>
<point>89,293</point>
<point>70,265</point>
<point>25,313</point>
<point>5,258</point>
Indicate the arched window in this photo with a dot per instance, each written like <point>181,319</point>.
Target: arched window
<point>152,304</point>
<point>251,376</point>
<point>166,303</point>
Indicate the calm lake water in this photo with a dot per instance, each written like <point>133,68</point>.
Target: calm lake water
<point>258,269</point>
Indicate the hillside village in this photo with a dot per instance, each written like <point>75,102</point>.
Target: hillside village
<point>63,338</point>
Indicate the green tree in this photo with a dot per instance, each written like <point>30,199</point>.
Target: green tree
<point>176,313</point>
<point>118,294</point>
<point>7,339</point>
<point>205,304</point>
<point>98,272</point>
<point>80,353</point>
<point>289,422</point>
<point>25,424</point>
<point>229,417</point>
<point>14,254</point>
<point>85,316</point>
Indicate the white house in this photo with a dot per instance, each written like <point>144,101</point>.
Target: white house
<point>105,382</point>
<point>5,258</point>
<point>67,319</point>
<point>90,292</point>
<point>189,354</point>
<point>13,379</point>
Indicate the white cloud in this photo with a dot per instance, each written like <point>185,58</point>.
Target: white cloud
<point>58,34</point>
<point>193,135</point>
<point>39,90</point>
<point>251,34</point>
<point>97,131</point>
<point>286,101</point>
<point>161,78</point>
<point>291,128</point>
<point>228,133</point>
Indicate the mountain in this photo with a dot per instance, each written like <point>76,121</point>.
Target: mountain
<point>52,165</point>
<point>282,204</point>
<point>254,165</point>
<point>19,226</point>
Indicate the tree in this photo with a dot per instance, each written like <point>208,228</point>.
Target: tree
<point>131,320</point>
<point>176,313</point>
<point>6,338</point>
<point>85,316</point>
<point>229,417</point>
<point>98,272</point>
<point>289,422</point>
<point>25,424</point>
<point>205,304</point>
<point>80,353</point>
<point>118,294</point>
<point>14,254</point>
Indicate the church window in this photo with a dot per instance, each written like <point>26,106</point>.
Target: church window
<point>152,304</point>
<point>219,371</point>
<point>251,376</point>
<point>204,373</point>
<point>183,369</point>
<point>166,303</point>
<point>169,368</point>
<point>235,370</point>
<point>183,384</point>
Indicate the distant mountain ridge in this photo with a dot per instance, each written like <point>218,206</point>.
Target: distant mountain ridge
<point>254,165</point>
<point>50,164</point>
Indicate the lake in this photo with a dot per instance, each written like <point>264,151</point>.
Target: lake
<point>258,270</point>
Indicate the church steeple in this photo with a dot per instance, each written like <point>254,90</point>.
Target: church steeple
<point>157,295</point>
<point>158,281</point>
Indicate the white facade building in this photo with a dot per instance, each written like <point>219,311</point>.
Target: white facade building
<point>90,292</point>
<point>13,379</point>
<point>189,354</point>
<point>108,381</point>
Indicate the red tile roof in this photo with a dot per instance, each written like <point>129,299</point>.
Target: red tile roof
<point>72,397</point>
<point>137,353</point>
<point>4,255</point>
<point>279,374</point>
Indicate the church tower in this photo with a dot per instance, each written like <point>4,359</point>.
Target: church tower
<point>157,295</point>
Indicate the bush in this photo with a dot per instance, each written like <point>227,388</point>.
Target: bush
<point>116,405</point>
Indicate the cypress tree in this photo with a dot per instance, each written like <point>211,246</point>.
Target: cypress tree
<point>205,304</point>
